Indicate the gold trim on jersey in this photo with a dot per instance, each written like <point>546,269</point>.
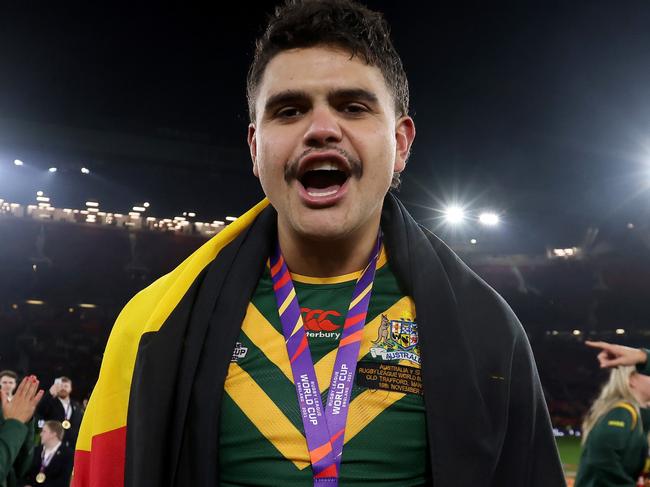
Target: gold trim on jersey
<point>353,276</point>
<point>267,417</point>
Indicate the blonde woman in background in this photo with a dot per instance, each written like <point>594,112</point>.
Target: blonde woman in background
<point>614,432</point>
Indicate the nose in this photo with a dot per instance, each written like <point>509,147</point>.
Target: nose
<point>324,128</point>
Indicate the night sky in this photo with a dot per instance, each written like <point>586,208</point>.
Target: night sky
<point>540,110</point>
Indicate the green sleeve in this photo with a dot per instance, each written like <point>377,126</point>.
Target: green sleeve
<point>644,368</point>
<point>13,435</point>
<point>605,448</point>
<point>26,455</point>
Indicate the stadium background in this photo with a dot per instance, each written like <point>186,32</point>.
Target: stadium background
<point>539,115</point>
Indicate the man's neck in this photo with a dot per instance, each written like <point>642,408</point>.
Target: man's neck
<point>327,257</point>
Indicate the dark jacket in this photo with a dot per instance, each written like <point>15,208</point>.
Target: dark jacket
<point>57,473</point>
<point>16,450</point>
<point>487,421</point>
<point>51,409</point>
<point>616,449</point>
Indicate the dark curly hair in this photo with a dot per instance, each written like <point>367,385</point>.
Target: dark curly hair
<point>340,23</point>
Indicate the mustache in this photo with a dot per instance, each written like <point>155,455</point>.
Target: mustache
<point>291,169</point>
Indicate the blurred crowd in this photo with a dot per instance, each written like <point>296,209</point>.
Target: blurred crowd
<point>38,431</point>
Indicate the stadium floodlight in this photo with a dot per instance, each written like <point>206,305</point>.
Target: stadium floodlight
<point>92,204</point>
<point>87,305</point>
<point>191,214</point>
<point>454,214</point>
<point>39,193</point>
<point>620,331</point>
<point>473,241</point>
<point>231,218</point>
<point>139,208</point>
<point>85,170</point>
<point>18,162</point>
<point>577,332</point>
<point>52,169</point>
<point>489,218</point>
<point>35,302</point>
<point>146,204</point>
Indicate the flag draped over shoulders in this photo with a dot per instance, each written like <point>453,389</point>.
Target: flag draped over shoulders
<point>153,418</point>
<point>101,446</point>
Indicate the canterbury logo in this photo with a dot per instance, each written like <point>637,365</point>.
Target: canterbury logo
<point>317,319</point>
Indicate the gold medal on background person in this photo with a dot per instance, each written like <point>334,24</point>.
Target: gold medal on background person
<point>66,424</point>
<point>40,477</point>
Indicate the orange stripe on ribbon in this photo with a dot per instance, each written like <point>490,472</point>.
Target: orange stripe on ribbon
<point>354,320</point>
<point>336,436</point>
<point>278,265</point>
<point>301,348</point>
<point>355,337</point>
<point>286,277</point>
<point>317,454</point>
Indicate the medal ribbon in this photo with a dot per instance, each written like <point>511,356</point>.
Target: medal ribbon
<point>68,410</point>
<point>324,426</point>
<point>46,459</point>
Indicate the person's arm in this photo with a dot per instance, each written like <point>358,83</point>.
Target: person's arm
<point>12,437</point>
<point>612,355</point>
<point>14,432</point>
<point>605,447</point>
<point>23,461</point>
<point>45,408</point>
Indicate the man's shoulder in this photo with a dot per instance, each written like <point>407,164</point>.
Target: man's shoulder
<point>479,305</point>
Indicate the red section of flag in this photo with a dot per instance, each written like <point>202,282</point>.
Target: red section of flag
<point>104,465</point>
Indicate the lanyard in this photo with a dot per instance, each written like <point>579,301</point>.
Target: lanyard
<point>324,426</point>
<point>67,409</point>
<point>46,459</point>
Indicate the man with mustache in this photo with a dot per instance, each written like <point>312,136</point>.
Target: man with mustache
<point>430,379</point>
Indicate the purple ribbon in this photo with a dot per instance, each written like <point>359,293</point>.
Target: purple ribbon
<point>324,426</point>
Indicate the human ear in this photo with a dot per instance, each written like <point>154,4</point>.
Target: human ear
<point>252,146</point>
<point>404,137</point>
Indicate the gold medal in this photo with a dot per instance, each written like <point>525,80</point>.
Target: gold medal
<point>66,426</point>
<point>40,478</point>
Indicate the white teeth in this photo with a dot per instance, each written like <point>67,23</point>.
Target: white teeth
<point>324,166</point>
<point>327,193</point>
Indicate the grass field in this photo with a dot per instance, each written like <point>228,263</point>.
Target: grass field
<point>569,447</point>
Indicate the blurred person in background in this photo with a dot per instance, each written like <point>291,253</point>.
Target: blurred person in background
<point>8,381</point>
<point>52,464</point>
<point>57,405</point>
<point>614,432</point>
<point>17,431</point>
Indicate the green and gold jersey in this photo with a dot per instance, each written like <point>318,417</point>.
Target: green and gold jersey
<point>262,440</point>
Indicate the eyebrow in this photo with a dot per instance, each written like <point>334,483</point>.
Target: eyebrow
<point>294,96</point>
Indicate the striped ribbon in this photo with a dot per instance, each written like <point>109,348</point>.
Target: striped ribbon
<point>324,426</point>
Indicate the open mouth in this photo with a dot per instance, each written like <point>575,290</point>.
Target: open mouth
<point>323,180</point>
